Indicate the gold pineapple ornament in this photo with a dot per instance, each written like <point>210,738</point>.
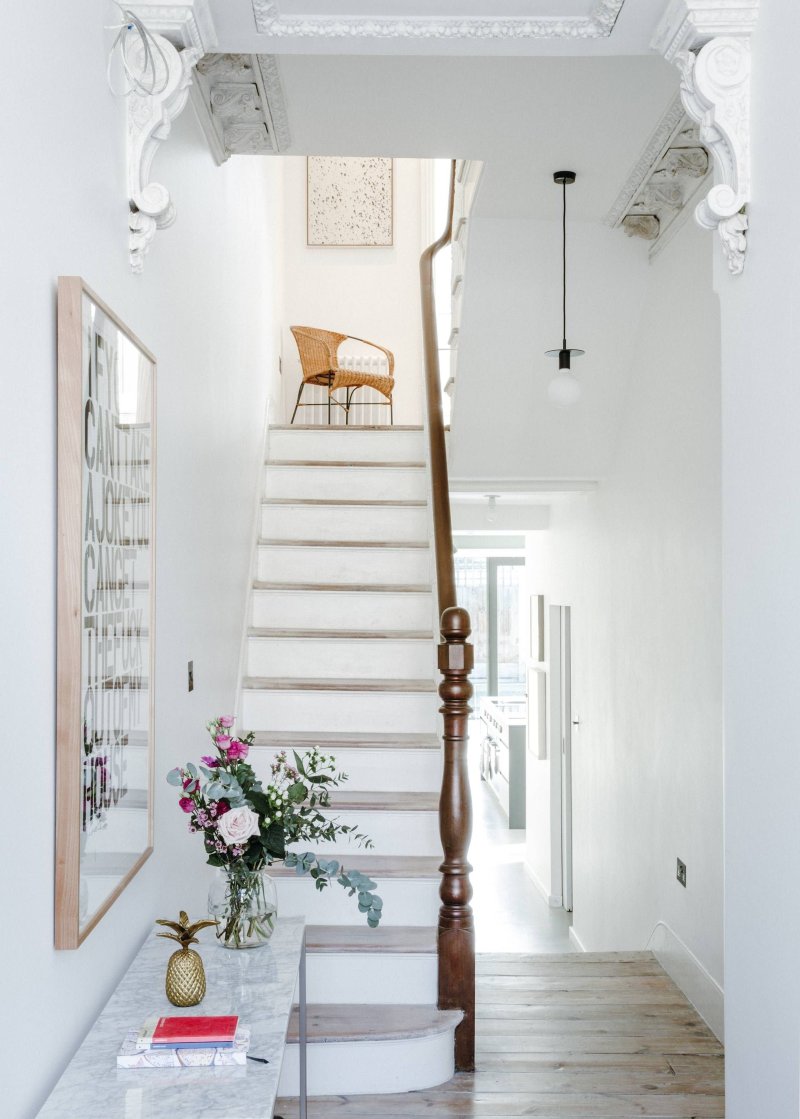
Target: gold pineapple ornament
<point>186,978</point>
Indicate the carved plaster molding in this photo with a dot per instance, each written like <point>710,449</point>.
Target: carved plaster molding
<point>709,42</point>
<point>149,124</point>
<point>239,99</point>
<point>664,181</point>
<point>185,24</point>
<point>598,25</point>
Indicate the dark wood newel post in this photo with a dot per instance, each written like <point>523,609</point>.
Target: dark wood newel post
<point>456,928</point>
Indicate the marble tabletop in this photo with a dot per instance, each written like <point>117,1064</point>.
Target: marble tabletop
<point>257,984</point>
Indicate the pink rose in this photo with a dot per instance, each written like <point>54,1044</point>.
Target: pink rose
<point>223,741</point>
<point>238,825</point>
<point>238,750</point>
<point>226,720</point>
<point>187,804</point>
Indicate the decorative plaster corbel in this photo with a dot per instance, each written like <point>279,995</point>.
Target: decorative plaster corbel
<point>149,123</point>
<point>709,41</point>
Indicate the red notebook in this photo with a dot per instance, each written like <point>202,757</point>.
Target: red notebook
<point>195,1030</point>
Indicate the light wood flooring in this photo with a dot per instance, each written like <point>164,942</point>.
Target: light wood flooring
<point>569,1036</point>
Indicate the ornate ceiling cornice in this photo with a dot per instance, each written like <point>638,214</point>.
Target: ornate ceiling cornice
<point>599,24</point>
<point>241,105</point>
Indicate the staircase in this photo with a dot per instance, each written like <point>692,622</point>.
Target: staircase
<point>341,654</point>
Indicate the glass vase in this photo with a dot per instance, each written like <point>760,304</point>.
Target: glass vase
<point>244,904</point>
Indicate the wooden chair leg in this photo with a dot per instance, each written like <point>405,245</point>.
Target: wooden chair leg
<point>391,412</point>
<point>297,402</point>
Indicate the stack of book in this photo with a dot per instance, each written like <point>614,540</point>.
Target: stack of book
<point>185,1040</point>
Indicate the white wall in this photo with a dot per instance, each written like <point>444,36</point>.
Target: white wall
<point>503,426</point>
<point>639,563</point>
<point>372,293</point>
<point>205,306</point>
<point>761,558</point>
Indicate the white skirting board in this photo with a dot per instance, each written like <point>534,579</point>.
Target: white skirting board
<point>555,901</point>
<point>686,971</point>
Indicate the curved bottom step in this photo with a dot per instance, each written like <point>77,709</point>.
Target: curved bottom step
<point>369,1049</point>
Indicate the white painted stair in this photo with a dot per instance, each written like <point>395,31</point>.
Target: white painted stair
<point>340,654</point>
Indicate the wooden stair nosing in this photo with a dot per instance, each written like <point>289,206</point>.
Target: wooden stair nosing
<point>333,684</point>
<point>383,801</point>
<point>387,465</point>
<point>345,588</point>
<point>275,542</point>
<point>343,634</point>
<point>379,867</point>
<point>345,740</point>
<point>343,1022</point>
<point>356,502</point>
<point>348,427</point>
<point>404,940</point>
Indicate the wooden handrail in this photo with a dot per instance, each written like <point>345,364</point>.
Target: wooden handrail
<point>456,933</point>
<point>442,528</point>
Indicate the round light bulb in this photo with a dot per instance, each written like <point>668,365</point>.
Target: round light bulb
<point>564,389</point>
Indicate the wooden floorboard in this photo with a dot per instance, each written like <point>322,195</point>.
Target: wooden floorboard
<point>568,1037</point>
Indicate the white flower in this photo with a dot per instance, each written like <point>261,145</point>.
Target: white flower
<point>237,825</point>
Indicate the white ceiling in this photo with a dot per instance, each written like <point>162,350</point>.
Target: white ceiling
<point>524,117</point>
<point>438,26</point>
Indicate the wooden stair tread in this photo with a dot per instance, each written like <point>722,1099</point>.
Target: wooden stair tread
<point>341,462</point>
<point>379,866</point>
<point>351,588</point>
<point>331,1022</point>
<point>345,634</point>
<point>270,542</point>
<point>384,801</point>
<point>323,684</point>
<point>321,428</point>
<point>400,939</point>
<point>359,502</point>
<point>345,740</point>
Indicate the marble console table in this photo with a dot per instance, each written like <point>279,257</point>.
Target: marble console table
<point>257,984</point>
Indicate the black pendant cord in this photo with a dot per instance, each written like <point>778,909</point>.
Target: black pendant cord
<point>564,263</point>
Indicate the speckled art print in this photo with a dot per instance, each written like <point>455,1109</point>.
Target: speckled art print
<point>349,201</point>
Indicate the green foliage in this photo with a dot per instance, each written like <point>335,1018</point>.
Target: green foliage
<point>353,881</point>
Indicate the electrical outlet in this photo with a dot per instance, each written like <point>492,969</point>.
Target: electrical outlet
<point>191,676</point>
<point>681,874</point>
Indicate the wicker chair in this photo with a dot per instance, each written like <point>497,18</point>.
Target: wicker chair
<point>320,366</point>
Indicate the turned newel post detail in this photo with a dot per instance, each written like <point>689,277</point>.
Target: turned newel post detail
<point>456,928</point>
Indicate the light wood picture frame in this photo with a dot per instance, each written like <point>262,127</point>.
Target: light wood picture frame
<point>106,609</point>
<point>349,202</point>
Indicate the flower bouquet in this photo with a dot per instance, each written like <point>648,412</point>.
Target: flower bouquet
<point>246,826</point>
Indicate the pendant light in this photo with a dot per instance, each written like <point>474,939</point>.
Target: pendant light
<point>564,389</point>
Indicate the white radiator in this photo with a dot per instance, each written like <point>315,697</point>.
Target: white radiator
<point>368,407</point>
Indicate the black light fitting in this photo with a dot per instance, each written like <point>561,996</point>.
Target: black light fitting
<point>564,354</point>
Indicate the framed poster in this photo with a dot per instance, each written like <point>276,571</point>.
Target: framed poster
<point>349,202</point>
<point>106,568</point>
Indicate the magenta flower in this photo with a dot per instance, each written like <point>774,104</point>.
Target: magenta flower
<point>212,763</point>
<point>223,741</point>
<point>223,806</point>
<point>187,804</point>
<point>226,720</point>
<point>238,750</point>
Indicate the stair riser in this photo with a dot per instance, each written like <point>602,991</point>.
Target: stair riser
<point>354,712</point>
<point>412,771</point>
<point>322,657</point>
<point>344,522</point>
<point>367,483</point>
<point>344,565</point>
<point>372,977</point>
<point>341,610</point>
<point>406,901</point>
<point>411,833</point>
<point>370,1067</point>
<point>348,446</point>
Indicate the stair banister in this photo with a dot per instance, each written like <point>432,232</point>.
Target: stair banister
<point>456,934</point>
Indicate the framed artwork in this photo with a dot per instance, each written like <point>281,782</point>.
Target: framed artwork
<point>538,628</point>
<point>349,202</point>
<point>537,712</point>
<point>106,570</point>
